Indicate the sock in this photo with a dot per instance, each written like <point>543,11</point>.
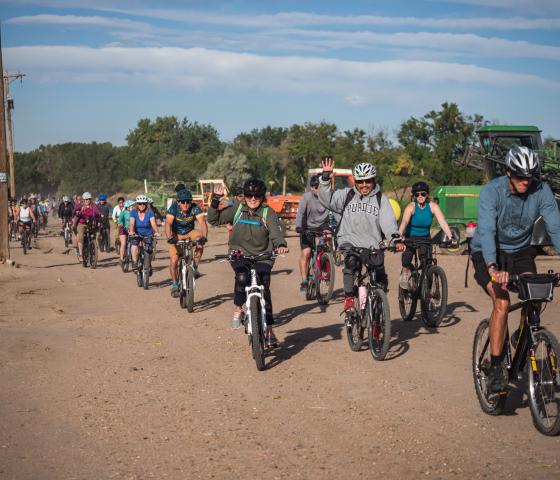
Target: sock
<point>496,360</point>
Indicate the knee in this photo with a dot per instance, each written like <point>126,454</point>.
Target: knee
<point>241,280</point>
<point>351,264</point>
<point>501,305</point>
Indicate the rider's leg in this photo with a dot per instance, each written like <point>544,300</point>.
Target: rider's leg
<point>80,238</point>
<point>173,262</point>
<point>304,263</point>
<point>498,318</point>
<point>122,246</point>
<point>264,271</point>
<point>242,279</point>
<point>352,265</point>
<point>406,262</point>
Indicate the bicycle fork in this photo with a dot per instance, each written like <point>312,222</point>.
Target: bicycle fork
<point>255,290</point>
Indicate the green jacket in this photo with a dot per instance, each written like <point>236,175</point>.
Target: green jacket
<point>250,234</point>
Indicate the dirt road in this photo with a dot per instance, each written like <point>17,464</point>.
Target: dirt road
<point>102,380</point>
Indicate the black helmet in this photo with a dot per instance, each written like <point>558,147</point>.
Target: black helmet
<point>254,186</point>
<point>179,187</point>
<point>184,196</point>
<point>314,181</point>
<point>420,187</point>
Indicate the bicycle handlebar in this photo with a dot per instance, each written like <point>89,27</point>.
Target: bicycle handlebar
<point>237,255</point>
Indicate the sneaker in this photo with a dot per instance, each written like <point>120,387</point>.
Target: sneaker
<point>404,279</point>
<point>174,290</point>
<point>236,319</point>
<point>271,341</point>
<point>196,273</point>
<point>348,303</point>
<point>497,379</point>
<point>303,287</point>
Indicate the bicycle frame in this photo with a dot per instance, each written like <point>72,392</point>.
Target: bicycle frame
<point>255,290</point>
<point>186,261</point>
<point>421,264</point>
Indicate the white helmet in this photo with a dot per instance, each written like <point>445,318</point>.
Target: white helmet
<point>150,200</point>
<point>65,198</point>
<point>141,199</point>
<point>364,171</point>
<point>86,196</point>
<point>522,162</point>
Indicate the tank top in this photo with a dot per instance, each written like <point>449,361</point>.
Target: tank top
<point>421,221</point>
<point>24,214</point>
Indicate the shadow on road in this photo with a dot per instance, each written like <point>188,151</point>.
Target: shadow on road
<point>212,302</point>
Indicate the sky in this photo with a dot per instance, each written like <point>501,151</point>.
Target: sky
<point>94,68</point>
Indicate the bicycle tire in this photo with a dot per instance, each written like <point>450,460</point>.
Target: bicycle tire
<point>190,289</point>
<point>379,324</point>
<point>85,249</point>
<point>325,276</point>
<point>435,275</point>
<point>494,404</point>
<point>66,242</point>
<point>146,272</point>
<point>408,299</point>
<point>355,331</point>
<point>257,337</point>
<point>544,385</point>
<point>127,259</point>
<point>92,255</point>
<point>310,280</point>
<point>24,240</point>
<point>180,281</point>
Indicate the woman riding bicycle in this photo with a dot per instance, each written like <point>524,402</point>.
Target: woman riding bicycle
<point>86,213</point>
<point>255,231</point>
<point>143,225</point>
<point>123,223</point>
<point>416,222</point>
<point>25,218</point>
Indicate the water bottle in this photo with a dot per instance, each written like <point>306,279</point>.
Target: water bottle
<point>470,230</point>
<point>362,294</point>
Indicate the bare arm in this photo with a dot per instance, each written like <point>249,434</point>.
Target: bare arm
<point>169,219</point>
<point>153,224</point>
<point>131,226</point>
<point>407,215</point>
<point>436,210</point>
<point>203,225</point>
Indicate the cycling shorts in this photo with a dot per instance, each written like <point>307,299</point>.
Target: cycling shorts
<point>305,240</point>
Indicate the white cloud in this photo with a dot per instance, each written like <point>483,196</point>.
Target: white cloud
<point>80,21</point>
<point>198,68</point>
<point>525,6</point>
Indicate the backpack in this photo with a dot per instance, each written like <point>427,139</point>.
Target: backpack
<point>349,197</point>
<point>238,213</point>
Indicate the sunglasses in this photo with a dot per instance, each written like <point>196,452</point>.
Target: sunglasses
<point>421,194</point>
<point>256,197</point>
<point>364,181</point>
<point>184,201</point>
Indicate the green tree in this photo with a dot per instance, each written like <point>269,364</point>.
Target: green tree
<point>231,166</point>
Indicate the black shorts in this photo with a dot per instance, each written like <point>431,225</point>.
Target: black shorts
<point>306,240</point>
<point>519,262</point>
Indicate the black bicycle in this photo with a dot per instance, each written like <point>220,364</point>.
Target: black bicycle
<point>125,264</point>
<point>104,235</point>
<point>427,283</point>
<point>89,248</point>
<point>535,349</point>
<point>144,270</point>
<point>321,268</point>
<point>371,306</point>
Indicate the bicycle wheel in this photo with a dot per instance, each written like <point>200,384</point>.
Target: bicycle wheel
<point>92,254</point>
<point>433,296</point>
<point>379,324</point>
<point>355,328</point>
<point>257,336</point>
<point>182,280</point>
<point>85,250</point>
<point>490,404</point>
<point>544,383</point>
<point>408,299</point>
<point>190,289</point>
<point>24,240</point>
<point>66,240</point>
<point>126,260</point>
<point>146,272</point>
<point>325,278</point>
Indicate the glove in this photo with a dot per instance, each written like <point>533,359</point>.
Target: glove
<point>202,240</point>
<point>171,241</point>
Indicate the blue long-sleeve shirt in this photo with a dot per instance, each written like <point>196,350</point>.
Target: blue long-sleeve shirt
<point>505,220</point>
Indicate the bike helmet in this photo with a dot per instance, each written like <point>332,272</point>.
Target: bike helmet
<point>522,162</point>
<point>179,187</point>
<point>150,200</point>
<point>141,199</point>
<point>314,181</point>
<point>420,187</point>
<point>86,196</point>
<point>184,195</point>
<point>254,186</point>
<point>128,203</point>
<point>102,198</point>
<point>364,171</point>
<point>65,198</point>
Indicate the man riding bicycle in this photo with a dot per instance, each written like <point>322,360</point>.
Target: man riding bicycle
<point>106,211</point>
<point>509,206</point>
<point>366,217</point>
<point>311,215</point>
<point>65,212</point>
<point>179,225</point>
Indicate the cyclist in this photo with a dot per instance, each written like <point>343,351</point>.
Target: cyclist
<point>256,230</point>
<point>86,212</point>
<point>509,206</point>
<point>143,224</point>
<point>12,214</point>
<point>106,211</point>
<point>119,207</point>
<point>415,224</point>
<point>123,223</point>
<point>25,218</point>
<point>366,217</point>
<point>311,215</point>
<point>179,225</point>
<point>65,211</point>
<point>35,209</point>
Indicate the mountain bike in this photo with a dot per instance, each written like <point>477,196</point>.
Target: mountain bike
<point>255,307</point>
<point>321,269</point>
<point>104,235</point>
<point>186,273</point>
<point>35,229</point>
<point>67,232</point>
<point>89,248</point>
<point>371,306</point>
<point>536,351</point>
<point>427,283</point>
<point>125,264</point>
<point>144,270</point>
<point>26,236</point>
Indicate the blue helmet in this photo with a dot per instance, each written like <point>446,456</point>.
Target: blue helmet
<point>102,197</point>
<point>128,203</point>
<point>184,195</point>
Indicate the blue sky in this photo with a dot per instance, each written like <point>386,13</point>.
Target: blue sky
<point>93,72</point>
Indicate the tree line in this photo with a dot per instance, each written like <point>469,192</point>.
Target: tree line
<point>169,149</point>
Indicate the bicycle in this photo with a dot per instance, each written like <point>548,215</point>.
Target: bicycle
<point>321,270</point>
<point>104,235</point>
<point>26,236</point>
<point>154,251</point>
<point>13,230</point>
<point>371,306</point>
<point>536,349</point>
<point>67,232</point>
<point>255,307</point>
<point>144,270</point>
<point>125,264</point>
<point>35,229</point>
<point>89,249</point>
<point>427,283</point>
<point>186,273</point>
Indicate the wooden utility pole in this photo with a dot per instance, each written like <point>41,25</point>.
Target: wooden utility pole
<point>4,240</point>
<point>9,107</point>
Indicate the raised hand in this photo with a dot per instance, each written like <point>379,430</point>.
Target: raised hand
<point>219,190</point>
<point>327,163</point>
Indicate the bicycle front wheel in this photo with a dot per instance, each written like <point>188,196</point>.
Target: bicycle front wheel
<point>92,255</point>
<point>146,272</point>
<point>190,290</point>
<point>257,335</point>
<point>354,327</point>
<point>544,383</point>
<point>379,324</point>
<point>491,404</point>
<point>433,296</point>
<point>408,298</point>
<point>24,240</point>
<point>325,278</point>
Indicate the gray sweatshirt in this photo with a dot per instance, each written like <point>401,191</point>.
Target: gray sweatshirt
<point>363,221</point>
<point>311,213</point>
